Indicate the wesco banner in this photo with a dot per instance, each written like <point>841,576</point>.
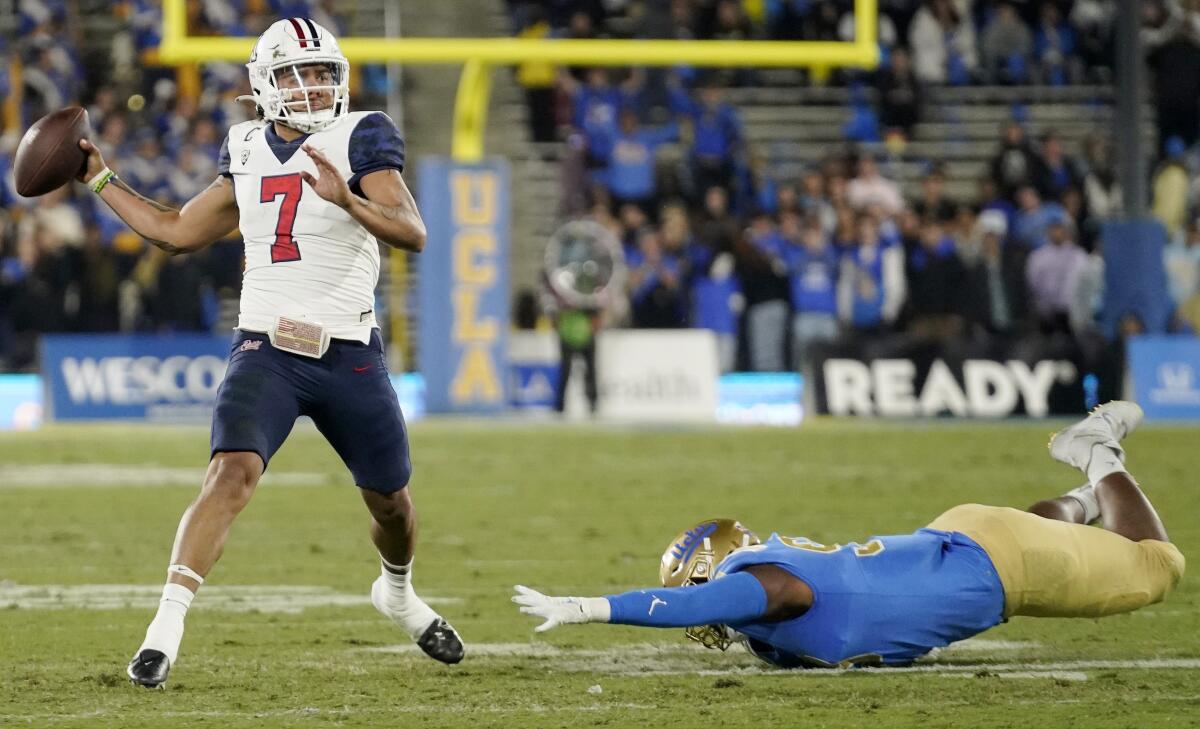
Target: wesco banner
<point>463,288</point>
<point>930,380</point>
<point>145,377</point>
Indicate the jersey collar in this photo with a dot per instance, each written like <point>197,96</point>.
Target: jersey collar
<point>283,149</point>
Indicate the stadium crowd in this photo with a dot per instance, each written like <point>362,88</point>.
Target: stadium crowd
<point>712,238</point>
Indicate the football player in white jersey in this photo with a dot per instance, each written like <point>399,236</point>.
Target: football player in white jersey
<point>313,187</point>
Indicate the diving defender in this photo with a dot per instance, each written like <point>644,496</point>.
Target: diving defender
<point>314,188</point>
<point>890,600</point>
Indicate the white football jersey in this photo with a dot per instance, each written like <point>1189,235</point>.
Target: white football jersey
<point>306,258</point>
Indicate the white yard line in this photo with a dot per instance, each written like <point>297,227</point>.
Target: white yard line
<point>223,598</point>
<point>75,475</point>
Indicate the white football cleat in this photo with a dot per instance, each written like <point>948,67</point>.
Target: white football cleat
<point>1106,425</point>
<point>430,631</point>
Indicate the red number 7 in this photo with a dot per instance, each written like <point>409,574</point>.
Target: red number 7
<point>284,248</point>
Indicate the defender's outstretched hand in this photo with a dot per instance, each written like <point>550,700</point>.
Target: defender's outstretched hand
<point>330,185</point>
<point>558,611</point>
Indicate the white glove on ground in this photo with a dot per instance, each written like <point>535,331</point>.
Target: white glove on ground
<point>558,611</point>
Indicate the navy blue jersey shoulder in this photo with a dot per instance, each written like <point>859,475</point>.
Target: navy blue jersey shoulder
<point>223,158</point>
<point>375,144</point>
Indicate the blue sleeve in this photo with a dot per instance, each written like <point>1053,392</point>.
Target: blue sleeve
<point>732,600</point>
<point>223,159</point>
<point>375,144</point>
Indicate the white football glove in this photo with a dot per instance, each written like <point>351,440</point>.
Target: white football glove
<point>558,611</point>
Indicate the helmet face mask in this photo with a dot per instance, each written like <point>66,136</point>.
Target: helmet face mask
<point>299,76</point>
<point>692,558</point>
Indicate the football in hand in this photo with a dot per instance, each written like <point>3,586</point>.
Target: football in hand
<point>49,156</point>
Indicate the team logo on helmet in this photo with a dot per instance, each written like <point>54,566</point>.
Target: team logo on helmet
<point>692,558</point>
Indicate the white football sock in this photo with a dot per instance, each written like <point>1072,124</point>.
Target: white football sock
<point>166,630</point>
<point>1085,495</point>
<point>404,607</point>
<point>1104,461</point>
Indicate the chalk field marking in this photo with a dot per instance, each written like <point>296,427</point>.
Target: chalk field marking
<point>75,475</point>
<point>290,599</point>
<point>639,659</point>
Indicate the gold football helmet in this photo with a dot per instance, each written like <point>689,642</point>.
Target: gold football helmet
<point>691,559</point>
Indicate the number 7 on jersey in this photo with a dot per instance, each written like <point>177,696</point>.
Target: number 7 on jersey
<point>284,248</point>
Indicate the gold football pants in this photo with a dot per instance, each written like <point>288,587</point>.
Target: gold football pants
<point>1058,569</point>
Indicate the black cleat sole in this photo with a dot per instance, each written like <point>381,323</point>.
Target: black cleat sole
<point>149,668</point>
<point>441,642</point>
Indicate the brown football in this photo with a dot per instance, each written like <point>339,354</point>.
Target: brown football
<point>49,156</point>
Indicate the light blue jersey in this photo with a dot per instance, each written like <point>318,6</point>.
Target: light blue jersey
<point>888,600</point>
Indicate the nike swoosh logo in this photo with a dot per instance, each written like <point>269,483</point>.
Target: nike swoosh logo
<point>362,369</point>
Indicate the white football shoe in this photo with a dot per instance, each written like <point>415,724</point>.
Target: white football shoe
<point>1106,425</point>
<point>430,631</point>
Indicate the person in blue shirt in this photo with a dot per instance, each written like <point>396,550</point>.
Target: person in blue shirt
<point>629,173</point>
<point>890,600</point>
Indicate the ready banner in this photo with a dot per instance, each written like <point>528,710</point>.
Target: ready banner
<point>142,377</point>
<point>1166,376</point>
<point>929,381</point>
<point>463,285</point>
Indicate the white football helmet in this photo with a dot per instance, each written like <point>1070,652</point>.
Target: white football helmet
<point>284,49</point>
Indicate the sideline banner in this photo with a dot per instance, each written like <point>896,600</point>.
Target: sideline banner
<point>930,380</point>
<point>463,285</point>
<point>657,375</point>
<point>1166,376</point>
<point>142,377</point>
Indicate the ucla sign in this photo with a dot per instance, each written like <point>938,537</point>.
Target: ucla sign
<point>463,289</point>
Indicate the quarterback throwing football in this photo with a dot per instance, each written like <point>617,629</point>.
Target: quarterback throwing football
<point>313,186</point>
<point>890,600</point>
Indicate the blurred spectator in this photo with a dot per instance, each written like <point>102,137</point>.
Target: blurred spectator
<point>1182,261</point>
<point>596,105</point>
<point>1054,48</point>
<point>1035,217</point>
<point>716,139</point>
<point>871,286</point>
<point>1176,66</point>
<point>537,78</point>
<point>995,288</point>
<point>812,264</point>
<point>812,199</point>
<point>656,287</point>
<point>1170,188</point>
<point>936,285</point>
<point>1016,164</point>
<point>761,265</point>
<point>1093,22</point>
<point>1005,48</point>
<point>630,167</point>
<point>943,44</point>
<point>1101,189</point>
<point>1057,171</point>
<point>899,94</point>
<point>871,188</point>
<point>933,203</point>
<point>1053,274</point>
<point>717,303</point>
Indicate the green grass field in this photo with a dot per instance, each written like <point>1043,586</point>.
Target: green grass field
<point>283,634</point>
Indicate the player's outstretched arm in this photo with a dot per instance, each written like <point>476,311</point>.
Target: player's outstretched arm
<point>204,219</point>
<point>732,600</point>
<point>387,211</point>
